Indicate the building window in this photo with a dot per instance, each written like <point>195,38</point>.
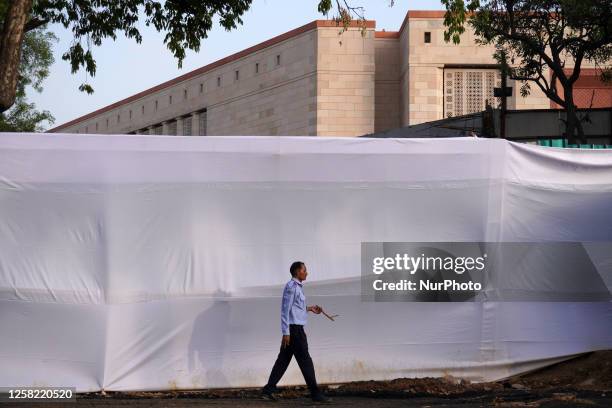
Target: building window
<point>172,127</point>
<point>156,105</point>
<point>237,75</point>
<point>257,67</point>
<point>130,114</point>
<point>96,126</point>
<point>427,37</point>
<point>278,59</point>
<point>218,81</point>
<point>118,118</point>
<point>107,123</point>
<point>170,100</point>
<point>201,88</point>
<point>184,94</point>
<point>187,121</point>
<point>202,117</point>
<point>143,109</point>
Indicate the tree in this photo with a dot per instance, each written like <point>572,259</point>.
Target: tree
<point>538,41</point>
<point>23,117</point>
<point>36,57</point>
<point>184,22</point>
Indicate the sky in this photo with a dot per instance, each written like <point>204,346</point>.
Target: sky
<point>125,67</point>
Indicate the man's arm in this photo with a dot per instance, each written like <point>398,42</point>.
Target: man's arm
<point>288,298</point>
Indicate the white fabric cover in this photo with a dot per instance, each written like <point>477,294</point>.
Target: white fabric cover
<point>153,262</point>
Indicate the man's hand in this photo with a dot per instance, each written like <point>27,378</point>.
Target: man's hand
<point>316,309</point>
<point>285,341</point>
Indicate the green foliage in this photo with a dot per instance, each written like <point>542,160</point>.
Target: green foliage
<point>36,59</point>
<point>3,8</point>
<point>185,23</point>
<point>455,18</point>
<point>23,117</point>
<point>324,6</point>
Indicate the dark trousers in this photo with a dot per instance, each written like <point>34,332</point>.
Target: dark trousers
<point>298,347</point>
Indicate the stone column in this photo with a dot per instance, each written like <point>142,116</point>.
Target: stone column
<point>165,128</point>
<point>179,126</point>
<point>195,124</point>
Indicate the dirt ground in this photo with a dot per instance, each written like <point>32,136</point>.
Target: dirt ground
<point>585,381</point>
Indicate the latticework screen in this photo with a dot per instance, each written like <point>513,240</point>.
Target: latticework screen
<point>468,90</point>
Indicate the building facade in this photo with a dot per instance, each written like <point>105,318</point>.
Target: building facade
<point>313,81</point>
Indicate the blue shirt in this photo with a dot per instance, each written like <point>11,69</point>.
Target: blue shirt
<point>293,306</point>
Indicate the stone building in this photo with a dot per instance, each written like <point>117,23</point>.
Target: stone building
<point>312,81</point>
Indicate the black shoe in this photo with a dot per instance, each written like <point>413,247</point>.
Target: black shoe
<point>268,393</point>
<point>319,397</point>
<point>273,390</point>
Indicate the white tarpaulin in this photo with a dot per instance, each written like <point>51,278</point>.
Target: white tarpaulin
<point>151,262</point>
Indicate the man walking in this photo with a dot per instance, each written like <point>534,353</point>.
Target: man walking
<point>294,313</point>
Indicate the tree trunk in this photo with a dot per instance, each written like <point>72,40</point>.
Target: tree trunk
<point>571,123</point>
<point>11,39</point>
<point>580,128</point>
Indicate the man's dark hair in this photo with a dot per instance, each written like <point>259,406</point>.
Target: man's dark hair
<point>295,267</point>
